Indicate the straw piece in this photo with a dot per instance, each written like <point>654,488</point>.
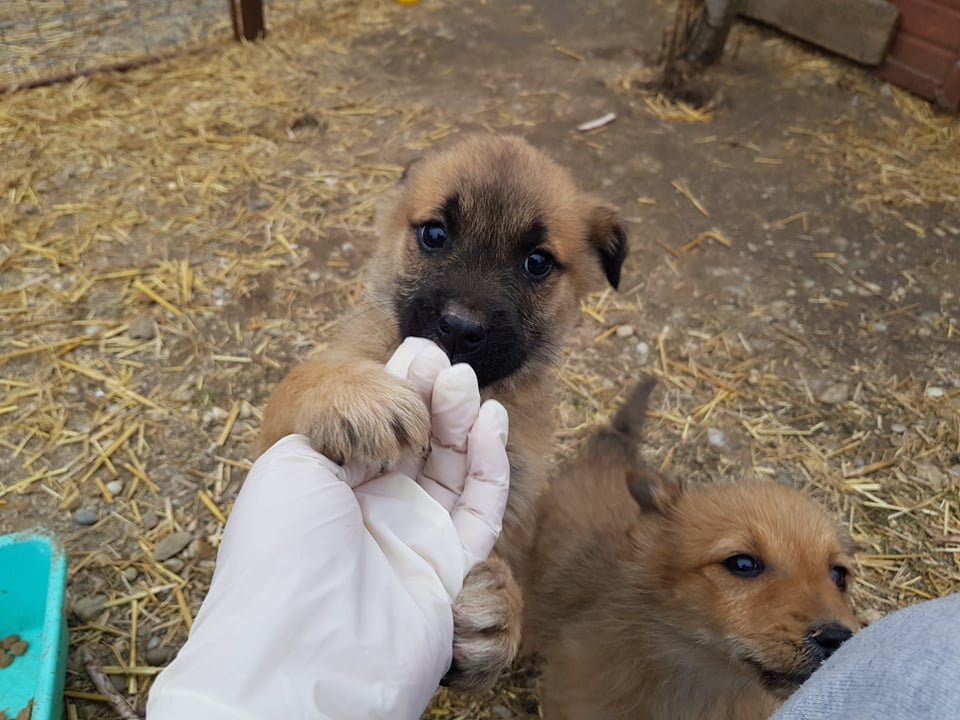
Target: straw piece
<point>102,682</point>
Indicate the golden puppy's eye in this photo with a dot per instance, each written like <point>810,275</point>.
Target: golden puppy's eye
<point>743,565</point>
<point>838,574</point>
<point>538,264</point>
<point>432,236</point>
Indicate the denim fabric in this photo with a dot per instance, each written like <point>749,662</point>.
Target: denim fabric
<point>905,666</point>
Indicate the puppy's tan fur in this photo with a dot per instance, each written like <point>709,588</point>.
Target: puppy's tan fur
<point>634,613</point>
<point>499,200</point>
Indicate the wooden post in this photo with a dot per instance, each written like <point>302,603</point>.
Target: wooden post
<point>247,18</point>
<point>706,34</point>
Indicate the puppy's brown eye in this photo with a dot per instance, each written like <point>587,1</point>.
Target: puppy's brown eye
<point>538,264</point>
<point>839,576</point>
<point>743,565</point>
<point>432,236</point>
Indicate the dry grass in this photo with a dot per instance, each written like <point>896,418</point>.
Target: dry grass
<point>210,198</point>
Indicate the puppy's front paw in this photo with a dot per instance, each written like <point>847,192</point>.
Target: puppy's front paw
<point>355,412</point>
<point>486,627</point>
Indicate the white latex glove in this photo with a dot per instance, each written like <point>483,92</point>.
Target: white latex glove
<point>332,593</point>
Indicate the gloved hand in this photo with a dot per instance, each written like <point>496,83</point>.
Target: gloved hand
<point>333,588</point>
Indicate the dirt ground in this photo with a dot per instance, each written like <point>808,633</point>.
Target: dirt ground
<point>174,238</point>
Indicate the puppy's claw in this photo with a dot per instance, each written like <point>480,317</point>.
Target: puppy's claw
<point>486,627</point>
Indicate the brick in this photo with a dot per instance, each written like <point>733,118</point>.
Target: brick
<point>931,20</point>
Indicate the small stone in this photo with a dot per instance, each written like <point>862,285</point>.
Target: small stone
<point>150,520</point>
<point>171,545</point>
<point>9,641</point>
<point>159,656</point>
<point>85,516</point>
<point>19,648</point>
<point>130,574</point>
<point>625,331</point>
<point>215,414</point>
<point>935,392</point>
<point>201,549</point>
<point>143,327</point>
<point>501,711</point>
<point>5,660</point>
<point>716,437</point>
<point>153,643</point>
<point>898,428</point>
<point>780,310</point>
<point>835,394</point>
<point>89,607</point>
<point>114,487</point>
<point>182,395</point>
<point>643,348</point>
<point>173,564</point>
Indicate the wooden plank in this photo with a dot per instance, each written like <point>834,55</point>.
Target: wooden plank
<point>828,23</point>
<point>934,21</point>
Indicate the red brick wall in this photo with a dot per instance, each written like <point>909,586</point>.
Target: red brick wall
<point>925,54</point>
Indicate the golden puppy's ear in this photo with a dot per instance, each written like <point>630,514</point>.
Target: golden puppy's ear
<point>406,170</point>
<point>653,491</point>
<point>608,236</point>
<point>847,543</point>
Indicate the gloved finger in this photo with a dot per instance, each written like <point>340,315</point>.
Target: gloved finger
<point>356,473</point>
<point>478,513</point>
<point>399,362</point>
<point>456,402</point>
<point>419,361</point>
<point>425,368</point>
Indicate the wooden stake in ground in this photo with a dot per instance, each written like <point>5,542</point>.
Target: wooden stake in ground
<point>698,37</point>
<point>706,32</point>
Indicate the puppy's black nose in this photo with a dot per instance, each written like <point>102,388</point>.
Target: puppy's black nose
<point>460,334</point>
<point>824,640</point>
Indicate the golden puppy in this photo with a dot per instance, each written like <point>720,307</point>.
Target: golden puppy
<point>485,248</point>
<point>650,601</point>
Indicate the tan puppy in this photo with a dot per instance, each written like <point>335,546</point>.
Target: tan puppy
<point>650,601</point>
<point>486,248</point>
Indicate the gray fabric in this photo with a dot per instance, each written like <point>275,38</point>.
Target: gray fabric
<point>905,666</point>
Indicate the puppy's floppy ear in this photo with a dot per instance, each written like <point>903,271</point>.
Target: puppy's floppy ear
<point>847,543</point>
<point>406,170</point>
<point>608,237</point>
<point>652,491</point>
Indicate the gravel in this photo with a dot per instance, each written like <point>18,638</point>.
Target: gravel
<point>87,608</point>
<point>85,516</point>
<point>171,545</point>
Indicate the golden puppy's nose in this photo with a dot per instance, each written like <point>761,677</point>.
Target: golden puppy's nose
<point>824,640</point>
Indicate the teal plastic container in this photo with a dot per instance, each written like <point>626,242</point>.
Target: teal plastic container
<point>33,580</point>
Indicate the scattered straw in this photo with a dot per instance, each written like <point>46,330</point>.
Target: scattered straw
<point>173,238</point>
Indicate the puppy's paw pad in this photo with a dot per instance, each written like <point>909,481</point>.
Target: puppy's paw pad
<point>486,627</point>
<point>369,417</point>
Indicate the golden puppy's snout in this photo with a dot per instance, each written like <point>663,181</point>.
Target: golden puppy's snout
<point>823,640</point>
